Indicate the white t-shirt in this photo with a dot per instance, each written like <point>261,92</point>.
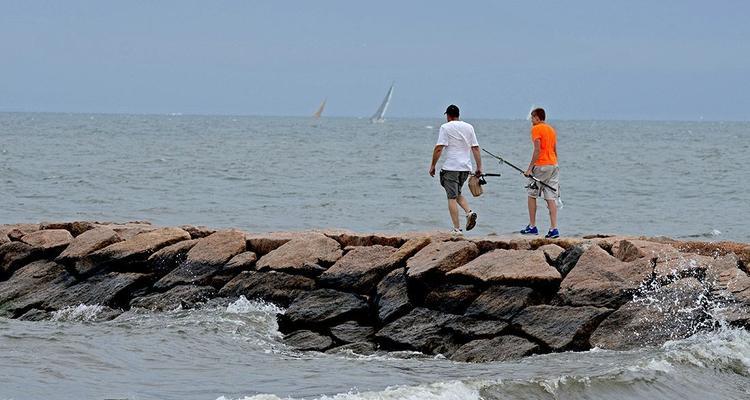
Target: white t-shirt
<point>458,137</point>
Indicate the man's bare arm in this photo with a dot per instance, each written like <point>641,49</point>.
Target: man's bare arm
<point>478,159</point>
<point>435,157</point>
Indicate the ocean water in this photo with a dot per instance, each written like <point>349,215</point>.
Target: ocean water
<point>680,179</point>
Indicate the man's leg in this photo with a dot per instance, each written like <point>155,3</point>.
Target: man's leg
<point>532,211</point>
<point>453,209</point>
<point>463,203</point>
<point>552,213</point>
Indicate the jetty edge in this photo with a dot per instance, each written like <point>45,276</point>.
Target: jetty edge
<point>473,299</point>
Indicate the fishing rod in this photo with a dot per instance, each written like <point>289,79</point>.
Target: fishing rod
<point>502,160</point>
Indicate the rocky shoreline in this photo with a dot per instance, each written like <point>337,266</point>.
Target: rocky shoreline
<point>469,299</point>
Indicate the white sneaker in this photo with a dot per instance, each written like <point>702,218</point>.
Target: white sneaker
<point>457,232</point>
<point>471,220</point>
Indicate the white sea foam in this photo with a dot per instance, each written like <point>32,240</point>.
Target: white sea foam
<point>81,312</point>
<point>454,390</point>
<point>245,306</point>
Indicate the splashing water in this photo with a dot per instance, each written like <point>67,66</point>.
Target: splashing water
<point>81,312</point>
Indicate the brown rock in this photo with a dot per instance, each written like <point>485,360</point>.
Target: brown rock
<point>131,229</point>
<point>87,243</point>
<point>671,312</point>
<point>14,255</point>
<point>561,328</point>
<point>355,239</point>
<point>15,232</point>
<point>551,251</point>
<point>501,348</point>
<point>360,269</point>
<point>682,266</point>
<point>141,246</point>
<point>168,258</point>
<point>264,243</point>
<point>276,287</point>
<point>631,250</point>
<point>502,302</point>
<point>4,238</point>
<point>49,240</point>
<point>440,258</point>
<point>509,266</point>
<point>197,232</point>
<point>242,262</point>
<point>205,259</point>
<point>408,249</point>
<point>75,228</point>
<point>309,254</point>
<point>601,280</point>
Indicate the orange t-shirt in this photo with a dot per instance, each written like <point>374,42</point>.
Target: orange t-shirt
<point>547,140</point>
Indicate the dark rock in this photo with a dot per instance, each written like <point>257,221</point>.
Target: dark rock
<point>360,348</point>
<point>183,296</point>
<point>501,348</point>
<point>561,328</point>
<point>308,341</point>
<point>35,314</point>
<point>423,330</point>
<point>467,328</point>
<point>87,243</point>
<point>603,281</point>
<point>568,259</point>
<point>168,258</point>
<point>351,332</point>
<point>392,297</point>
<point>205,259</point>
<point>49,240</point>
<point>502,302</point>
<point>671,312</point>
<point>242,262</point>
<point>14,255</point>
<point>140,246</point>
<point>451,298</point>
<point>509,266</point>
<point>310,254</point>
<point>276,287</point>
<point>360,269</point>
<point>323,307</point>
<point>111,289</point>
<point>32,286</point>
<point>439,258</point>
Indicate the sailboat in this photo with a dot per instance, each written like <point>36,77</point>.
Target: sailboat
<point>320,109</point>
<point>378,116</point>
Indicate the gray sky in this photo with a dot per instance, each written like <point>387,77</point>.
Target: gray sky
<point>583,59</point>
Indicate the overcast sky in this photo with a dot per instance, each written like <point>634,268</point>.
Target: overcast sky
<point>581,60</point>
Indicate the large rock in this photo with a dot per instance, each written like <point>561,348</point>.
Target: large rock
<point>87,243</point>
<point>510,266</point>
<point>502,302</point>
<point>631,250</point>
<point>683,266</point>
<point>356,239</point>
<point>561,328</point>
<point>184,296</point>
<point>15,232</point>
<point>730,286</point>
<point>264,243</point>
<point>551,252</point>
<point>276,287</point>
<point>323,307</point>
<point>451,298</point>
<point>603,281</point>
<point>569,258</point>
<point>14,255</point>
<point>501,348</point>
<point>466,328</point>
<point>197,232</point>
<point>32,286</point>
<point>357,348</point>
<point>49,240</point>
<point>75,227</point>
<point>392,296</point>
<point>352,332</point>
<point>310,254</point>
<point>205,259</point>
<point>140,246</point>
<point>308,341</point>
<point>423,330</point>
<point>671,312</point>
<point>360,269</point>
<point>244,261</point>
<point>439,258</point>
<point>112,289</point>
<point>168,258</point>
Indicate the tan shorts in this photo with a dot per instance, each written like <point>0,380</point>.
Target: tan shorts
<point>549,174</point>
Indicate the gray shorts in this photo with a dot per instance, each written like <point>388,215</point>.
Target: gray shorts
<point>453,181</point>
<point>549,174</point>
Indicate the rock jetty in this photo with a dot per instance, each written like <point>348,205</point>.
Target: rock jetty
<point>469,299</point>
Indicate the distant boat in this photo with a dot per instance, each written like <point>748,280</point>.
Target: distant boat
<point>379,115</point>
<point>320,109</point>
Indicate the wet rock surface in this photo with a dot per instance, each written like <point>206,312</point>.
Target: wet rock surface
<point>474,300</point>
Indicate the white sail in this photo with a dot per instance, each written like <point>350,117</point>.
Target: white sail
<point>380,114</point>
<point>320,109</point>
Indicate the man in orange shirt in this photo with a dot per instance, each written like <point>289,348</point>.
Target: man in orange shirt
<point>543,166</point>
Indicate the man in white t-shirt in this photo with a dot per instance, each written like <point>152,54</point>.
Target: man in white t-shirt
<point>458,140</point>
